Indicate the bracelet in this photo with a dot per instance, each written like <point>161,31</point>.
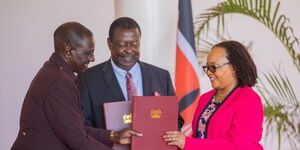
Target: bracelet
<point>111,136</point>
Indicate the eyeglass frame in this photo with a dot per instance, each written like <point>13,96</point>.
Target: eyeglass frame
<point>208,67</point>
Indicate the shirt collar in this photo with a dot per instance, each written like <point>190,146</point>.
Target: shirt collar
<point>123,72</point>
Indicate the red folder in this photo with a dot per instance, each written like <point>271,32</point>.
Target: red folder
<point>153,116</point>
<point>118,115</point>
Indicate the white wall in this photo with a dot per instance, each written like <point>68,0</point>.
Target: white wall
<point>26,29</point>
<point>26,37</point>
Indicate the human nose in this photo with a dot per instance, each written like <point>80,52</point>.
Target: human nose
<point>129,48</point>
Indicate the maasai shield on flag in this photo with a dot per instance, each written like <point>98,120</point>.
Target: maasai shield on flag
<point>187,70</point>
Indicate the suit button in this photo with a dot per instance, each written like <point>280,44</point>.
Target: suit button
<point>23,133</point>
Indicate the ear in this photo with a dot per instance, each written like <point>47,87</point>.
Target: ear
<point>109,43</point>
<point>233,72</point>
<point>67,52</point>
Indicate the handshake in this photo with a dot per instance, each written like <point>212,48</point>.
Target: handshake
<point>124,137</point>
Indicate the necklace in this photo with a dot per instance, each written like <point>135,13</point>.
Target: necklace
<point>219,97</point>
<point>215,101</point>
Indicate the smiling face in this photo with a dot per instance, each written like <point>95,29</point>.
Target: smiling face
<point>224,76</point>
<point>81,55</point>
<point>125,47</point>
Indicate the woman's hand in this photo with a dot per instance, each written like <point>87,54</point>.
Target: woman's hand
<point>175,138</point>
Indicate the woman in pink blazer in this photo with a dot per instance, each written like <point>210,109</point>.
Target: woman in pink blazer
<point>230,116</point>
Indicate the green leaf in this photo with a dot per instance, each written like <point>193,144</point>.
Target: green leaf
<point>261,10</point>
<point>279,117</point>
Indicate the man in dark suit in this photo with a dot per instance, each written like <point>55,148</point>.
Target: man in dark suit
<point>106,82</point>
<point>51,116</point>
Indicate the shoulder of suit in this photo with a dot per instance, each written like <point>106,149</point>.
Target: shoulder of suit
<point>50,74</point>
<point>247,91</point>
<point>247,96</point>
<point>152,67</point>
<point>96,68</point>
<point>59,73</point>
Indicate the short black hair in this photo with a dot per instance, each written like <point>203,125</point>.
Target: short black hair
<point>71,33</point>
<point>239,57</point>
<point>123,23</point>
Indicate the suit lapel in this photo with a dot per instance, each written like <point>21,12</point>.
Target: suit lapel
<point>147,78</point>
<point>111,80</point>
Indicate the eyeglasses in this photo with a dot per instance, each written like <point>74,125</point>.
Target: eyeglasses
<point>212,68</point>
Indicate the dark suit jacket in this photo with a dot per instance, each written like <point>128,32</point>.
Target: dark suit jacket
<point>51,116</point>
<point>99,85</point>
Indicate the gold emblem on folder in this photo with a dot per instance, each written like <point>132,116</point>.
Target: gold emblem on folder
<point>127,119</point>
<point>155,113</point>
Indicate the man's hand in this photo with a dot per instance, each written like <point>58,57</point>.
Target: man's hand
<point>124,136</point>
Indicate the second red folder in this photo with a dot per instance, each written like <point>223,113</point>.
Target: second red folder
<point>153,116</point>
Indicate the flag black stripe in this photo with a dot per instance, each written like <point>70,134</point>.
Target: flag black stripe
<point>186,22</point>
<point>188,99</point>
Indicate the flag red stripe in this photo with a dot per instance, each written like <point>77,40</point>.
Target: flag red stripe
<point>186,79</point>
